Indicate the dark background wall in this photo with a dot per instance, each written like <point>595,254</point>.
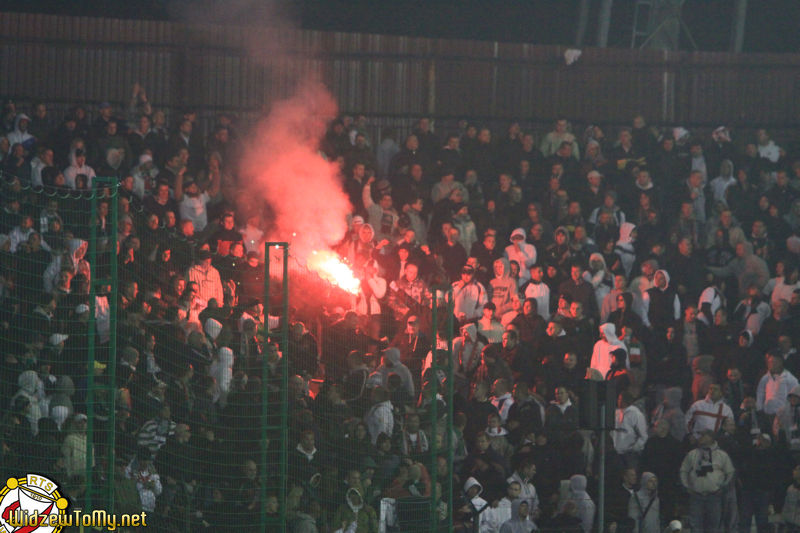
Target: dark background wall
<point>392,79</point>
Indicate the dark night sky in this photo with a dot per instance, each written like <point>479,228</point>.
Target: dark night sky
<point>772,25</point>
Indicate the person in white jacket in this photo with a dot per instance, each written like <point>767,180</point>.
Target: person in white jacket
<point>630,431</point>
<point>774,386</point>
<point>380,417</point>
<point>373,289</point>
<point>521,252</point>
<point>222,371</point>
<point>706,472</point>
<point>708,413</point>
<point>601,354</point>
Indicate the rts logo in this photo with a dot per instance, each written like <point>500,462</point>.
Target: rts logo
<point>31,503</point>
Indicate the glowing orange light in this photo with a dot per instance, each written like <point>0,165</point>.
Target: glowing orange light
<point>332,269</point>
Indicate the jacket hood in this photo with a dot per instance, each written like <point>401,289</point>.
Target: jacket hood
<point>28,381</point>
<point>517,232</point>
<point>392,355</point>
<point>472,482</point>
<point>610,332</point>
<point>646,476</point>
<point>213,328</point>
<point>577,485</point>
<point>666,277</point>
<point>20,117</point>
<point>565,231</point>
<point>748,335</point>
<point>626,233</point>
<point>351,494</point>
<point>598,257</point>
<point>506,272</point>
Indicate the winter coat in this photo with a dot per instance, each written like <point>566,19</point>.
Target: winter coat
<point>644,508</point>
<point>698,461</point>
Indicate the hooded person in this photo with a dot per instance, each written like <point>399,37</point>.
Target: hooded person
<point>355,516</point>
<point>625,246</point>
<point>390,364</point>
<point>602,357</point>
<point>661,303</point>
<point>644,506</point>
<point>73,259</point>
<point>479,509</point>
<point>20,135</point>
<point>221,370</point>
<point>599,277</point>
<point>748,268</point>
<point>520,521</point>
<point>521,252</point>
<point>503,288</point>
<point>583,502</point>
<point>467,351</point>
<point>61,401</point>
<point>32,389</point>
<point>670,410</point>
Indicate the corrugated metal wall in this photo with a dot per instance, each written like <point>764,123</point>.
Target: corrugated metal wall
<point>214,68</point>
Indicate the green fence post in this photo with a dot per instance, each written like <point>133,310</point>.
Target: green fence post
<point>90,356</point>
<point>112,343</point>
<point>282,396</point>
<point>434,379</point>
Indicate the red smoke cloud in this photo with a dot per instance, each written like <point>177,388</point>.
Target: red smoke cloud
<point>283,169</point>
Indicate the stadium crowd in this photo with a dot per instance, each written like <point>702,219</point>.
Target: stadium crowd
<point>661,262</point>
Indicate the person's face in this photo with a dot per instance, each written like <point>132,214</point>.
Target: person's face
<point>561,126</point>
<point>561,238</point>
<point>775,364</point>
<point>411,272</point>
<point>536,274</point>
<point>485,136</point>
<point>509,341</point>
<point>652,484</point>
<point>690,314</point>
<point>621,302</point>
<point>482,442</point>
<point>552,329</point>
<point>629,477</point>
<point>412,143</point>
<point>489,242</point>
<point>562,395</point>
<point>576,310</point>
<point>488,313</point>
<point>715,392</point>
<point>527,308</point>
<point>575,273</point>
<point>659,280</point>
<point>734,375</point>
<point>570,361</point>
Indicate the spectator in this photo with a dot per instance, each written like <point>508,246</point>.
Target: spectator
<point>706,472</point>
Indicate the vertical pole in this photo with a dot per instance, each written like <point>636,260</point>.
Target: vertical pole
<point>605,23</point>
<point>284,397</point>
<point>112,344</point>
<point>450,394</point>
<point>433,408</point>
<point>601,475</point>
<point>265,405</point>
<point>583,21</point>
<point>739,19</point>
<point>91,358</point>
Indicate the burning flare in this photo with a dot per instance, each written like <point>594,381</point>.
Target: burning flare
<point>330,268</point>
